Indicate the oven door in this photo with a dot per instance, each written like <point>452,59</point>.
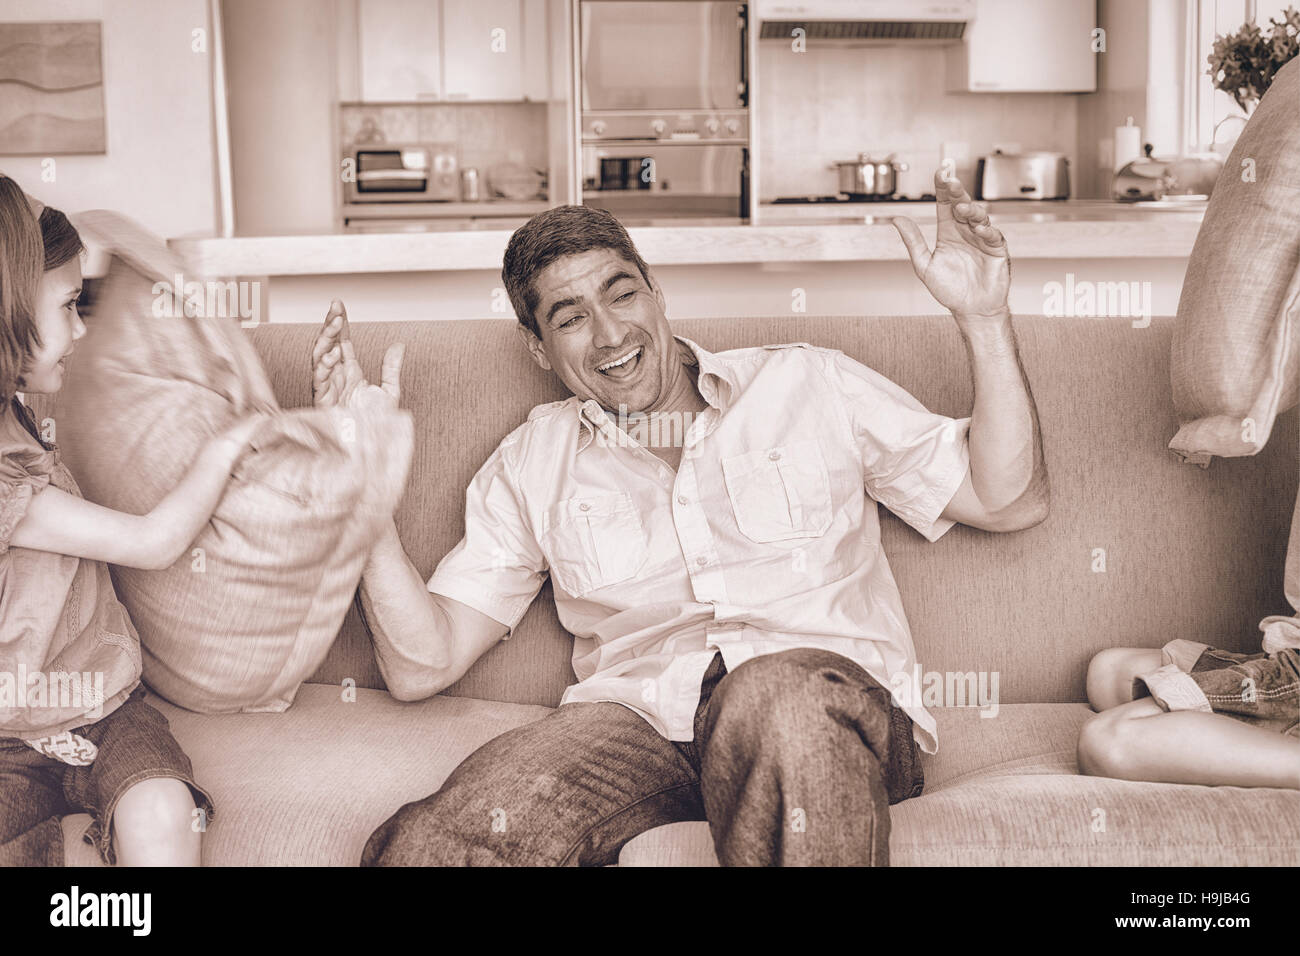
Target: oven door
<point>687,55</point>
<point>645,182</point>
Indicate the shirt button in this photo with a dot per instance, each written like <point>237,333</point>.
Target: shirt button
<point>774,455</point>
<point>701,560</point>
<point>584,506</point>
<point>683,500</point>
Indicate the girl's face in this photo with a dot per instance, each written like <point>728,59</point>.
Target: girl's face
<point>59,326</point>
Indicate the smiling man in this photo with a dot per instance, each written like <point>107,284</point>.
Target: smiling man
<point>736,624</point>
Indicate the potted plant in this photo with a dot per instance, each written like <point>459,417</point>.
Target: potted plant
<point>1244,63</point>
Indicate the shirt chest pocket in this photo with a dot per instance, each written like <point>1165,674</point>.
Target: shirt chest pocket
<point>780,493</point>
<point>594,542</point>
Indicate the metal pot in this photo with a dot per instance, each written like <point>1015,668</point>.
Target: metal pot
<point>869,177</point>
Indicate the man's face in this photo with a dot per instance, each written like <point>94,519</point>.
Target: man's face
<point>595,309</point>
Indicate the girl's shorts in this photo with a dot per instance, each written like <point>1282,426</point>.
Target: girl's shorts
<point>135,743</point>
<point>1260,689</point>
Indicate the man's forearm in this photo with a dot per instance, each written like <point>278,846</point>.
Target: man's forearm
<point>412,637</point>
<point>1008,471</point>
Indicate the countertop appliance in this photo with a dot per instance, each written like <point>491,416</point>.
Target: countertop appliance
<point>1176,178</point>
<point>414,172</point>
<point>845,199</point>
<point>1037,175</point>
<point>891,20</point>
<point>469,185</point>
<point>664,111</point>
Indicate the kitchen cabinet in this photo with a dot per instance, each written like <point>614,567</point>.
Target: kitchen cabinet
<point>400,56</point>
<point>457,50</point>
<point>546,42</point>
<point>483,47</point>
<point>1016,47</point>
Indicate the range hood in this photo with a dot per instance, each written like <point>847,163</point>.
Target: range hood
<point>864,19</point>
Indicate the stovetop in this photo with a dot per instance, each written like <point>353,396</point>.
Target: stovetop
<point>847,199</point>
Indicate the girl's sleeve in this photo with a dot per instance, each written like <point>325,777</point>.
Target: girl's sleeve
<point>24,472</point>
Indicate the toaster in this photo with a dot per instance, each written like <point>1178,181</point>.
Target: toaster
<point>1022,176</point>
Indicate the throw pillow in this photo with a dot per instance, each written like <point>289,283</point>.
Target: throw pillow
<point>249,613</point>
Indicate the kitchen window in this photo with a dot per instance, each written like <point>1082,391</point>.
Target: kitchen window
<point>1210,115</point>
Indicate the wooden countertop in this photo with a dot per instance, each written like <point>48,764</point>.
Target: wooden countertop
<point>1058,230</point>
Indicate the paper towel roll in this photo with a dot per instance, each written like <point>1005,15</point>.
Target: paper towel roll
<point>1128,144</point>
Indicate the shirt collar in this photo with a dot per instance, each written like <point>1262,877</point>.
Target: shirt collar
<point>716,383</point>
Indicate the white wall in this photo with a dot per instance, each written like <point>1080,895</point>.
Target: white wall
<point>158,117</point>
<point>1122,79</point>
<point>834,101</point>
<point>1167,28</point>
<point>281,78</point>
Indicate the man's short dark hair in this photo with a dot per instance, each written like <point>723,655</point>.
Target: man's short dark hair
<point>554,234</point>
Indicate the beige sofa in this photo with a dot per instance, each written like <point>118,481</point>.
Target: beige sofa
<point>1187,553</point>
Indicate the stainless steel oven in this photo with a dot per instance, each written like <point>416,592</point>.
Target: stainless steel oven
<point>663,55</point>
<point>644,181</point>
<point>664,121</point>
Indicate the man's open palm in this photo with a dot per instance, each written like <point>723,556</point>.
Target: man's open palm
<point>969,271</point>
<point>336,374</point>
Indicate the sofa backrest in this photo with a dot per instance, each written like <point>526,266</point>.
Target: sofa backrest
<point>1138,549</point>
<point>1186,552</point>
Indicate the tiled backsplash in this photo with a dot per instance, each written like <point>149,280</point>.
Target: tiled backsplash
<point>486,133</point>
<point>832,102</point>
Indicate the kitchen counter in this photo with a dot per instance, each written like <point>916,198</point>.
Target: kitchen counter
<point>486,208</point>
<point>1068,230</point>
<point>1000,211</point>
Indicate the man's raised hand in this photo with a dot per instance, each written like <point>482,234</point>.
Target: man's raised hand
<point>969,270</point>
<point>336,374</point>
<point>335,370</point>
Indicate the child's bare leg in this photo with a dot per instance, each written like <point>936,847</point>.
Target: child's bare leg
<point>153,825</point>
<point>1140,741</point>
<point>1111,673</point>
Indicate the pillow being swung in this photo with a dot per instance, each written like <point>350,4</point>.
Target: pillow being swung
<point>251,610</point>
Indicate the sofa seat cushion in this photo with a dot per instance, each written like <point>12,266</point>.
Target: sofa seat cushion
<point>1005,791</point>
<point>308,786</point>
<point>1015,739</point>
